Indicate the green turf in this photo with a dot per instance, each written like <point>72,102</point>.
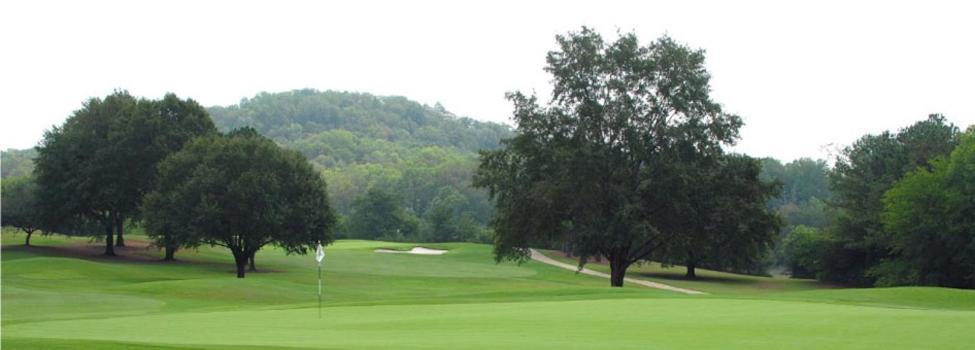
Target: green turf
<point>714,282</point>
<point>61,295</point>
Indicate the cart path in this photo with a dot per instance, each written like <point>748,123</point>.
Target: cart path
<point>537,256</point>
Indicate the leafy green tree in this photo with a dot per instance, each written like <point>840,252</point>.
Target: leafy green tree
<point>143,139</point>
<point>378,215</point>
<point>96,167</point>
<point>445,220</point>
<point>20,208</point>
<point>929,226</point>
<point>866,170</point>
<point>240,191</point>
<point>726,224</point>
<point>79,172</point>
<point>589,169</point>
<point>806,251</point>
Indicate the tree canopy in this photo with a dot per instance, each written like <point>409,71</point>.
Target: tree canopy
<point>724,223</point>
<point>240,191</point>
<point>592,168</point>
<point>870,181</point>
<point>861,177</point>
<point>379,215</point>
<point>929,223</point>
<point>289,117</point>
<point>19,205</point>
<point>97,166</point>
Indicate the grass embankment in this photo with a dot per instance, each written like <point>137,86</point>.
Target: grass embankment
<point>61,295</point>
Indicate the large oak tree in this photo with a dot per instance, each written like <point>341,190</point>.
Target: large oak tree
<point>591,168</point>
<point>240,191</point>
<point>95,168</point>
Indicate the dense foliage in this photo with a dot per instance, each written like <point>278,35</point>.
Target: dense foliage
<point>240,191</point>
<point>929,223</point>
<point>724,223</point>
<point>604,167</point>
<point>379,216</point>
<point>362,142</point>
<point>803,205</point>
<point>17,162</point>
<point>19,205</point>
<point>858,246</point>
<point>96,167</point>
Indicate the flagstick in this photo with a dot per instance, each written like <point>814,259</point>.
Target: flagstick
<point>319,257</point>
<point>319,290</point>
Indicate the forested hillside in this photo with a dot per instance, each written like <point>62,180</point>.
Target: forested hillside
<point>419,157</point>
<point>17,162</point>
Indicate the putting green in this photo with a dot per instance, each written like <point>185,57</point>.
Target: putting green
<point>57,298</point>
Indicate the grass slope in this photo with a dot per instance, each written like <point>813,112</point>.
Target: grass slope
<point>60,295</point>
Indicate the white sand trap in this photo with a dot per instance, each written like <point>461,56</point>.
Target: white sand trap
<point>415,250</point>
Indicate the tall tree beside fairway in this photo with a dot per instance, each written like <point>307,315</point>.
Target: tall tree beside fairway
<point>19,203</point>
<point>239,191</point>
<point>97,166</point>
<point>860,177</point>
<point>929,222</point>
<point>726,224</point>
<point>589,168</point>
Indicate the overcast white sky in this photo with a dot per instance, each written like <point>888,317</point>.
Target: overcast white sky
<point>802,75</point>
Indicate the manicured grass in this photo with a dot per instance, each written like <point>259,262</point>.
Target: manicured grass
<point>60,295</point>
<point>714,282</point>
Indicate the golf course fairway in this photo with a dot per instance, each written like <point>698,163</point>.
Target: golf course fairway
<point>61,295</point>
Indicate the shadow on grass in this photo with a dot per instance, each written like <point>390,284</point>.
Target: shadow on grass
<point>135,252</point>
<point>699,278</point>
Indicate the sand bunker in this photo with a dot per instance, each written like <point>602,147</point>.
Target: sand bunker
<point>415,250</point>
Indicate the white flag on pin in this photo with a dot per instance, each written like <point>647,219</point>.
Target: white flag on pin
<point>319,254</point>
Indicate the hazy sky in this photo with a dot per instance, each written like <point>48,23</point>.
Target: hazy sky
<point>802,75</point>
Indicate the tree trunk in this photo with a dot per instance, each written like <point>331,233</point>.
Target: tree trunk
<point>253,267</point>
<point>119,228</point>
<point>690,271</point>
<point>27,242</point>
<point>170,252</point>
<point>617,270</point>
<point>109,246</point>
<point>240,258</point>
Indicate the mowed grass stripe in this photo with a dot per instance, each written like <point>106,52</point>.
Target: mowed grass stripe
<point>624,323</point>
